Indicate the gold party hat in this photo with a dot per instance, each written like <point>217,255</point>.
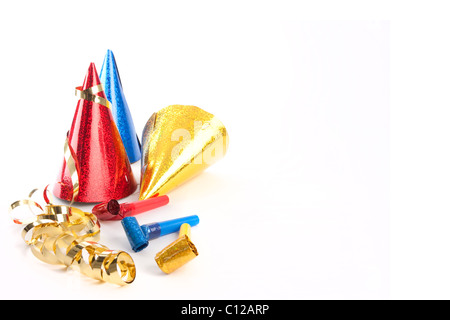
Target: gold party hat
<point>178,142</point>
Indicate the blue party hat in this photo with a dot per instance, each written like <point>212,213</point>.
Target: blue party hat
<point>110,78</point>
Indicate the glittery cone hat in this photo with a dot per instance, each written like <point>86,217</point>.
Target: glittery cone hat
<point>110,78</point>
<point>95,167</point>
<point>178,143</point>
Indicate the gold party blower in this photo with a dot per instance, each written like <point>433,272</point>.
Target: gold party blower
<point>178,253</point>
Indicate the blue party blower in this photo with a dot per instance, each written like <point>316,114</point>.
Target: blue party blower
<point>139,236</point>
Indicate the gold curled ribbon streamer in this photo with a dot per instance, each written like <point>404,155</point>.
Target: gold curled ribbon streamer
<point>47,199</point>
<point>67,235</point>
<point>90,94</point>
<point>72,167</point>
<point>30,203</point>
<point>22,202</point>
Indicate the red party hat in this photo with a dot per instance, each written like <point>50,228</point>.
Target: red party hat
<point>96,166</point>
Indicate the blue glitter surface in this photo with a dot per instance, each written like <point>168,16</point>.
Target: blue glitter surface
<point>110,78</point>
<point>138,240</point>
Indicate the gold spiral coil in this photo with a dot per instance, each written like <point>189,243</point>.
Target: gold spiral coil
<point>67,235</point>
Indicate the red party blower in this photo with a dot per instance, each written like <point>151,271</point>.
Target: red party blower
<point>113,210</point>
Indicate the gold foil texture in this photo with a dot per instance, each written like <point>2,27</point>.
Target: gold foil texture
<point>178,253</point>
<point>178,143</point>
<point>67,235</point>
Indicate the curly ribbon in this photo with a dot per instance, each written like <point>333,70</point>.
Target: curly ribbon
<point>67,235</point>
<point>69,156</point>
<point>90,94</point>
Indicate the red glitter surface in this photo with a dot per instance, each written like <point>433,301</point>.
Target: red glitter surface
<point>104,171</point>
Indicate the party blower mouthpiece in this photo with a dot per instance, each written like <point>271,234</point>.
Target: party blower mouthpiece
<point>139,236</point>
<point>112,210</point>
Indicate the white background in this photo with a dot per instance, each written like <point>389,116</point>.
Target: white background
<point>336,181</point>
